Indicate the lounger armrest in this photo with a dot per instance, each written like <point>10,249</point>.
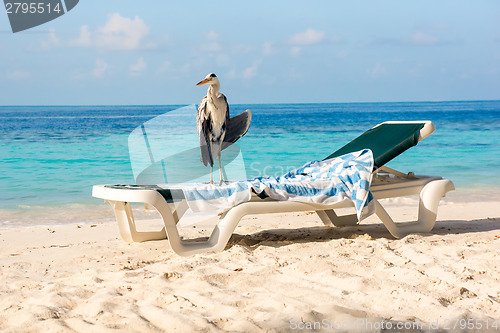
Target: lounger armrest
<point>135,193</point>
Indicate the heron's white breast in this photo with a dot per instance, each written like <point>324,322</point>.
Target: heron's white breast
<point>217,107</point>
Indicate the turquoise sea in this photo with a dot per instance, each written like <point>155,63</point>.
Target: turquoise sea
<point>50,156</point>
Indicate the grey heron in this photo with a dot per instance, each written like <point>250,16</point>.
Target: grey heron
<point>211,121</point>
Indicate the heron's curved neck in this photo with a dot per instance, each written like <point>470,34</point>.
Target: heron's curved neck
<point>213,89</point>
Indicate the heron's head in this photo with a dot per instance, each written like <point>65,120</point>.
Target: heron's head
<point>210,79</point>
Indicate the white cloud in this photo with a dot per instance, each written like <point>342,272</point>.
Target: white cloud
<point>377,70</point>
<point>50,42</point>
<point>211,35</point>
<point>138,67</point>
<point>212,42</point>
<point>84,39</point>
<point>268,48</point>
<point>247,73</point>
<point>100,68</point>
<point>122,33</point>
<point>308,37</point>
<point>251,71</point>
<point>420,38</point>
<point>119,33</point>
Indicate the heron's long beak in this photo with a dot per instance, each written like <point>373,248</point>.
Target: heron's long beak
<point>204,81</point>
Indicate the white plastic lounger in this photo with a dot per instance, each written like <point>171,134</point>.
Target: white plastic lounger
<point>386,140</point>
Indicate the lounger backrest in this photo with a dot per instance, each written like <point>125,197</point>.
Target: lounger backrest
<point>386,141</point>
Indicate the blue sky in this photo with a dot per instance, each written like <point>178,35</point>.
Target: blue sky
<point>154,52</point>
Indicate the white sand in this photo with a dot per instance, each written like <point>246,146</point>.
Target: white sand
<point>280,273</point>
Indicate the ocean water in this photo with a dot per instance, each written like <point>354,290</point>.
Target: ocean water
<point>51,156</point>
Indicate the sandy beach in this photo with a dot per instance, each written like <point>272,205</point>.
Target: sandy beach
<point>317,102</point>
<point>283,272</point>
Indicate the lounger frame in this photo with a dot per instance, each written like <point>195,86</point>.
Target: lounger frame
<point>430,189</point>
<point>387,183</point>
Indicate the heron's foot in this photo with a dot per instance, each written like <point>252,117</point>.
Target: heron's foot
<point>223,182</point>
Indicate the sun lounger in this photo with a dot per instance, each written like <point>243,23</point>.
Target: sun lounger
<point>386,140</point>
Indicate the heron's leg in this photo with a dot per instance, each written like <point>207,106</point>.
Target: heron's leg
<point>220,171</point>
<point>211,174</point>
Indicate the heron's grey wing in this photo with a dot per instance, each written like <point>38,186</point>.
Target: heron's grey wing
<point>206,150</point>
<point>201,114</point>
<point>236,127</point>
<point>204,125</point>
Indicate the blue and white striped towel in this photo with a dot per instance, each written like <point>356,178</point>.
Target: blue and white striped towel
<point>322,182</point>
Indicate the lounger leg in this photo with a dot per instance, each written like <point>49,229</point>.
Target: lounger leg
<point>126,224</point>
<point>221,233</point>
<point>218,239</point>
<point>171,217</point>
<point>331,219</point>
<point>430,196</point>
<point>180,208</point>
<point>223,230</point>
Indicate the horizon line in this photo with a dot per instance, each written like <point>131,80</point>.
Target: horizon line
<point>273,103</point>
